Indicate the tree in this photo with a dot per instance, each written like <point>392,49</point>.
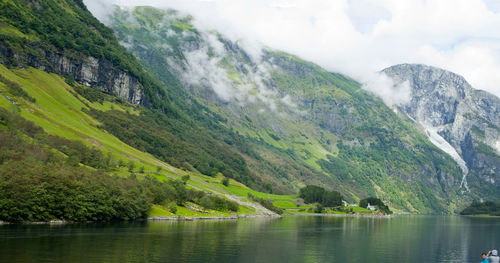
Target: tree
<point>332,198</point>
<point>225,181</point>
<point>316,194</point>
<point>319,209</point>
<point>312,194</point>
<point>172,207</point>
<point>131,166</point>
<point>206,202</point>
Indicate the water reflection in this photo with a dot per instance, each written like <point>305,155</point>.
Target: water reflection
<point>290,239</point>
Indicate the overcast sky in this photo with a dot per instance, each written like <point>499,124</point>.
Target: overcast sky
<point>358,37</point>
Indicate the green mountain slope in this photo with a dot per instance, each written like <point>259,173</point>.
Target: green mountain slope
<point>305,124</point>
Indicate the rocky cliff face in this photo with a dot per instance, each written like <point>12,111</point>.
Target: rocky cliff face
<point>467,119</point>
<point>85,70</point>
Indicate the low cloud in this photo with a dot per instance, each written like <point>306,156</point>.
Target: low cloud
<point>358,37</point>
<point>384,87</point>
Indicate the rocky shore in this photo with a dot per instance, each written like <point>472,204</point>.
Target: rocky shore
<point>178,218</point>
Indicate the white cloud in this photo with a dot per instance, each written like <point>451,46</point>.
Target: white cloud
<point>383,86</point>
<point>436,19</point>
<point>359,37</point>
<point>475,61</point>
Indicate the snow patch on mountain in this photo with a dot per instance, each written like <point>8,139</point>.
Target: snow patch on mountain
<point>442,144</point>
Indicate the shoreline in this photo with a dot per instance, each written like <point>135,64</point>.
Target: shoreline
<point>481,216</point>
<point>216,218</point>
<point>151,218</point>
<point>345,215</point>
<point>178,218</point>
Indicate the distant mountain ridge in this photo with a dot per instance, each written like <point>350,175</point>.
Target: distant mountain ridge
<point>466,118</point>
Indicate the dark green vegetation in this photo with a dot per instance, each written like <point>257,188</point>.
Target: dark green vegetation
<point>217,203</point>
<point>482,208</point>
<point>41,179</point>
<point>377,203</point>
<point>149,132</point>
<point>316,194</point>
<point>38,183</point>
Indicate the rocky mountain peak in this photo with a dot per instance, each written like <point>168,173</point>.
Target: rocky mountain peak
<point>435,92</point>
<point>464,120</point>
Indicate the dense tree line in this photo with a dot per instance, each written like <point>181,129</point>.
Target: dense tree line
<point>37,184</point>
<point>379,204</point>
<point>482,208</point>
<point>316,194</point>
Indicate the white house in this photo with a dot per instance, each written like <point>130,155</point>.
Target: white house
<point>371,207</point>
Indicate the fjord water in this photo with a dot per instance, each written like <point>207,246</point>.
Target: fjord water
<point>288,239</point>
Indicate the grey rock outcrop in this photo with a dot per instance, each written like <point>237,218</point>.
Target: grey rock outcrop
<point>86,70</point>
<point>468,119</point>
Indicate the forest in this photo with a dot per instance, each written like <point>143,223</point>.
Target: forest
<point>45,177</point>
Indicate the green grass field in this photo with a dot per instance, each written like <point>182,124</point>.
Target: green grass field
<point>244,191</point>
<point>285,204</point>
<point>159,210</point>
<point>361,210</point>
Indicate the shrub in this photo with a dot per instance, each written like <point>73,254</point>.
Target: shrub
<point>266,203</point>
<point>225,181</point>
<point>318,209</point>
<point>172,207</point>
<point>218,203</point>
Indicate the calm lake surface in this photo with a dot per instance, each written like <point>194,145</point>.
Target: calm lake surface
<point>289,239</point>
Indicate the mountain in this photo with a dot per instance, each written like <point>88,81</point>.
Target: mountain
<point>304,124</point>
<point>160,113</point>
<point>463,121</point>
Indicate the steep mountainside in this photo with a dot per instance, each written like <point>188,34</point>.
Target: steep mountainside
<point>305,124</point>
<point>464,121</point>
